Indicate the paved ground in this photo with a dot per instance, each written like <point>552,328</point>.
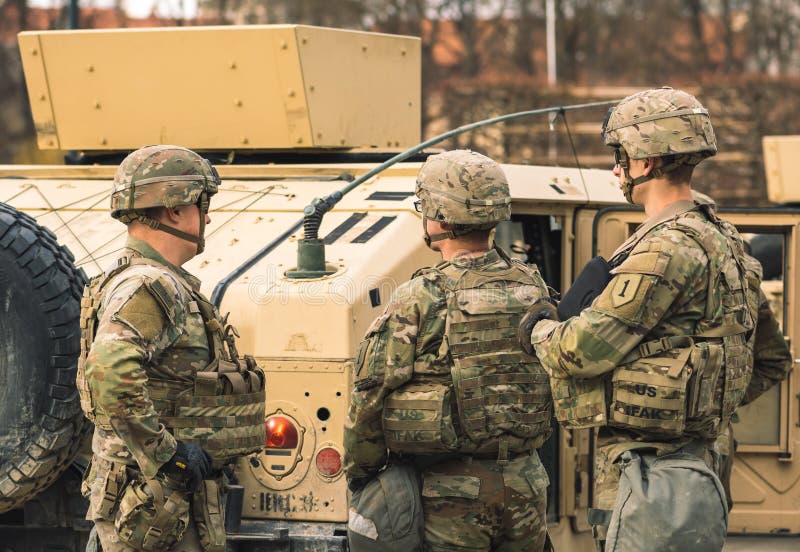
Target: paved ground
<point>762,544</point>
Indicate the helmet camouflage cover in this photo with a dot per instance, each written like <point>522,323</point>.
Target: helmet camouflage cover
<point>161,176</point>
<point>462,187</point>
<point>659,122</point>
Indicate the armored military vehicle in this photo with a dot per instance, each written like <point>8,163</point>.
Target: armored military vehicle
<point>289,114</point>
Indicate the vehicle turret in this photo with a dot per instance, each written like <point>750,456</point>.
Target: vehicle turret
<point>262,87</point>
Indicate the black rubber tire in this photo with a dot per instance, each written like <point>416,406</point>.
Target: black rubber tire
<point>41,423</point>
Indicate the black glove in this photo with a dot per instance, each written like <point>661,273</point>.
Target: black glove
<point>190,463</point>
<point>357,483</point>
<point>543,308</point>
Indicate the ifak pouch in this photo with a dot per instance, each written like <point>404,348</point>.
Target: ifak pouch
<point>418,418</point>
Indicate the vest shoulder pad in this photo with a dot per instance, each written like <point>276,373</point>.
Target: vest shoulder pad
<point>159,283</point>
<point>676,236</point>
<point>427,285</point>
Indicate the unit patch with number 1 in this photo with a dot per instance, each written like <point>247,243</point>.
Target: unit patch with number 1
<point>625,289</point>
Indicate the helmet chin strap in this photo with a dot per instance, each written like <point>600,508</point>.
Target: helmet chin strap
<point>199,240</point>
<point>449,235</point>
<point>629,183</point>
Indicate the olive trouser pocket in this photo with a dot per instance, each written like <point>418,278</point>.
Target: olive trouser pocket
<point>667,503</point>
<point>153,514</point>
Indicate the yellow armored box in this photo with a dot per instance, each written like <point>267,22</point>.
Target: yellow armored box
<point>780,158</point>
<point>223,88</point>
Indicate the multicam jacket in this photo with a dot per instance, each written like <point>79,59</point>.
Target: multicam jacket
<point>408,344</point>
<point>660,291</point>
<point>132,330</point>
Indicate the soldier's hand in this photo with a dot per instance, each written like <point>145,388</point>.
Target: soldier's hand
<point>543,308</point>
<point>190,463</point>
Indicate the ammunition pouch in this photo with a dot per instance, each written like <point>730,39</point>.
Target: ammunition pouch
<point>418,418</point>
<point>103,483</point>
<point>223,411</point>
<point>703,405</point>
<point>209,515</point>
<point>153,514</point>
<point>386,515</point>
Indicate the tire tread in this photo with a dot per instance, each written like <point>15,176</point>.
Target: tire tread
<point>56,291</point>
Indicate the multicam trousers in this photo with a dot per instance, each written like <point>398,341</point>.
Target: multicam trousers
<point>476,504</point>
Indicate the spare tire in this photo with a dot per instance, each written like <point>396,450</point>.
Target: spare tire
<point>41,423</point>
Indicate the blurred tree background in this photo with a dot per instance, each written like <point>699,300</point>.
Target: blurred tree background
<point>483,58</point>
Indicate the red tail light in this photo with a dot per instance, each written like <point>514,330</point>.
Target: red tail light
<point>281,433</point>
<point>329,461</point>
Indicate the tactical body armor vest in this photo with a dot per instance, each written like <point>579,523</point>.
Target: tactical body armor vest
<point>496,398</point>
<point>680,385</point>
<point>222,409</point>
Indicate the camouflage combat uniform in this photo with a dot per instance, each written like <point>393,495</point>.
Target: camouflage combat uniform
<point>483,494</point>
<point>151,371</point>
<point>133,328</point>
<point>663,355</point>
<point>667,299</point>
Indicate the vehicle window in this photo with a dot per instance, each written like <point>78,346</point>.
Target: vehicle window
<point>534,239</point>
<point>759,423</point>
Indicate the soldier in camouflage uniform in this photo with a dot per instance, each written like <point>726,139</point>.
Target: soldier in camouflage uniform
<point>441,383</point>
<point>159,374</point>
<point>663,356</point>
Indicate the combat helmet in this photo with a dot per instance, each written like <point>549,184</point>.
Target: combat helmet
<point>463,189</point>
<point>163,176</point>
<point>662,122</point>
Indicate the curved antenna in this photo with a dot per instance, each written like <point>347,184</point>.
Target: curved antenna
<point>335,197</point>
